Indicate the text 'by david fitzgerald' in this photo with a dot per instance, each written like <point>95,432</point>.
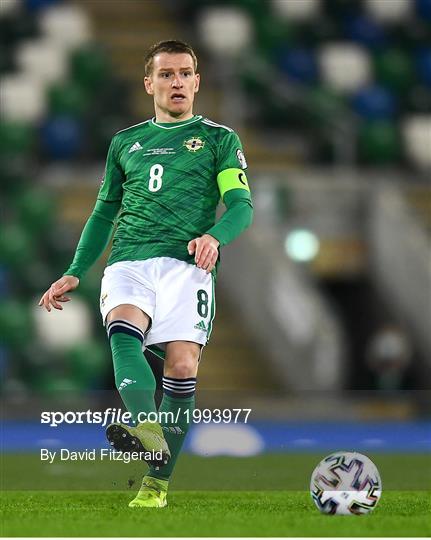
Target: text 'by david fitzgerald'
<point>101,454</point>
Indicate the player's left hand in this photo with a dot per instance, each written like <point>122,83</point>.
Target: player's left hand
<point>205,249</point>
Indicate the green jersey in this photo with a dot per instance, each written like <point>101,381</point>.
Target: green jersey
<point>167,177</point>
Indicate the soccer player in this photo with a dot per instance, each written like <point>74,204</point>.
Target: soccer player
<point>163,180</point>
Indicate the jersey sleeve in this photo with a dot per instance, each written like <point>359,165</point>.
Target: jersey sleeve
<point>94,238</point>
<point>231,154</point>
<point>238,216</point>
<point>111,188</point>
<point>234,191</point>
<point>231,165</point>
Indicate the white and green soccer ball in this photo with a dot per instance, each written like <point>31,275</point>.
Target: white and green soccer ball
<point>346,483</point>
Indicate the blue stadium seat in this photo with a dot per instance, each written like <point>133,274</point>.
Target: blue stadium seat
<point>374,103</point>
<point>423,8</point>
<point>299,64</point>
<point>365,31</point>
<point>61,137</point>
<point>37,5</point>
<point>423,63</point>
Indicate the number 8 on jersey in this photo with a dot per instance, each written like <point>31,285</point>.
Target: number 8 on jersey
<point>155,182</point>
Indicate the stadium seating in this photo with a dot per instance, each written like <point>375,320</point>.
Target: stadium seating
<point>304,66</point>
<point>297,10</point>
<point>375,53</point>
<point>61,330</point>
<point>345,66</point>
<point>42,59</point>
<point>50,75</point>
<point>374,102</point>
<point>390,12</point>
<point>416,131</point>
<point>23,98</point>
<point>67,25</point>
<point>231,23</point>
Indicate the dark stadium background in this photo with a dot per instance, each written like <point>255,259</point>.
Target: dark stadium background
<point>323,307</point>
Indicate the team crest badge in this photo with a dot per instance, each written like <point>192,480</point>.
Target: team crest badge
<point>194,144</point>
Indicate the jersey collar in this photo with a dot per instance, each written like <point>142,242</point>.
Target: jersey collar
<point>174,125</point>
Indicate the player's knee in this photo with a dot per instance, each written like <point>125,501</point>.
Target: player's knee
<point>179,379</point>
<point>182,361</point>
<point>129,313</point>
<point>182,368</point>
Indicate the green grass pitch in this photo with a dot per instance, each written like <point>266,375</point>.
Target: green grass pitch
<point>265,495</point>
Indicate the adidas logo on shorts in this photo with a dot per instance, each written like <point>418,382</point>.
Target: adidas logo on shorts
<point>201,326</point>
<point>125,383</point>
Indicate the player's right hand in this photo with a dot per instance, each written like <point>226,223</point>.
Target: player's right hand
<point>56,293</point>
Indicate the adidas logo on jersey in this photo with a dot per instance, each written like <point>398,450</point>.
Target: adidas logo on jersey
<point>124,383</point>
<point>201,326</point>
<point>135,147</point>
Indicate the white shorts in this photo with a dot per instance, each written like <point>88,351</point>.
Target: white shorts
<point>177,296</point>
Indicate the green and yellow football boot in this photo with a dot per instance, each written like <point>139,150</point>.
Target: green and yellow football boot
<point>145,437</point>
<point>152,494</point>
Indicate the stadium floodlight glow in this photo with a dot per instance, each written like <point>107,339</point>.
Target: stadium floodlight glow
<point>301,245</point>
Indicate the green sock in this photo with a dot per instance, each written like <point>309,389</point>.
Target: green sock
<point>174,432</point>
<point>133,375</point>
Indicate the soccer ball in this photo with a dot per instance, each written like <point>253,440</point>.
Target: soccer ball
<point>346,483</point>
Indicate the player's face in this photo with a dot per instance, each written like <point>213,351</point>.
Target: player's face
<point>173,83</point>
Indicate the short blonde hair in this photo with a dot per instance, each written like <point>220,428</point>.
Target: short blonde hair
<point>172,46</point>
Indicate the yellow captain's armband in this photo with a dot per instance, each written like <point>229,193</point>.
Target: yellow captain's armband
<point>232,179</point>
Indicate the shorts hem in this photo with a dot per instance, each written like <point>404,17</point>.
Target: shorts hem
<point>145,308</point>
<point>155,340</point>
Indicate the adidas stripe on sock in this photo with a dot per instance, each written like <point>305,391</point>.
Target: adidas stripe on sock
<point>126,328</point>
<point>179,387</point>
